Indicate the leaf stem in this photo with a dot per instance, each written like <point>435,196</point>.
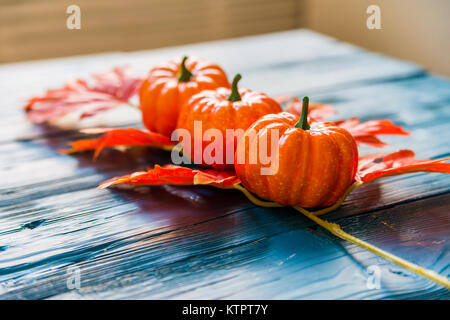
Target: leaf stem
<point>337,231</point>
<point>255,200</point>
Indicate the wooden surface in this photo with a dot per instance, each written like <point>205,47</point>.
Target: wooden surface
<point>203,243</point>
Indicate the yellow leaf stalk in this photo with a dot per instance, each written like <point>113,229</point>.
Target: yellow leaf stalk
<point>337,231</point>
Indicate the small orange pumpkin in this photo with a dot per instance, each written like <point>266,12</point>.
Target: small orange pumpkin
<point>169,85</point>
<point>222,109</point>
<point>316,164</point>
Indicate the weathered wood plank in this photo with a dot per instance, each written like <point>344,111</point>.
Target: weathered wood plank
<point>38,217</point>
<point>326,64</point>
<point>256,253</point>
<point>371,101</point>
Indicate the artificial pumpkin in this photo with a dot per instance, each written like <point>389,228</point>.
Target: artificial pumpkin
<point>316,164</point>
<point>222,109</point>
<point>169,85</point>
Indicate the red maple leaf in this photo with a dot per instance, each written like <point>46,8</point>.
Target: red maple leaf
<point>119,137</point>
<point>111,90</point>
<point>370,168</point>
<point>367,132</point>
<point>175,175</point>
<point>383,165</point>
<point>363,132</point>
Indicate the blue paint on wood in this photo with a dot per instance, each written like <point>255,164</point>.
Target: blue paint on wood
<point>183,242</point>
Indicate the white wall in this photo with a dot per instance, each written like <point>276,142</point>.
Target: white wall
<point>416,30</point>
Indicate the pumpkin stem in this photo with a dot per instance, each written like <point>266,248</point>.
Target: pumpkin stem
<point>185,75</point>
<point>234,95</point>
<point>303,121</point>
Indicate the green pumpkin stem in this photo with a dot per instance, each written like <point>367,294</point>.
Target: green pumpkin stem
<point>303,121</point>
<point>185,75</point>
<point>234,95</point>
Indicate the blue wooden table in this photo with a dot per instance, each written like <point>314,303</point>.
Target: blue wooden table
<point>203,243</point>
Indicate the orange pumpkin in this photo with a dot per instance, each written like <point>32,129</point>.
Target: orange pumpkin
<point>222,109</point>
<point>316,164</point>
<point>169,85</point>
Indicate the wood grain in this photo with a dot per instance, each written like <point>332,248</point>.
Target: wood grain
<point>184,242</point>
<point>326,65</point>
